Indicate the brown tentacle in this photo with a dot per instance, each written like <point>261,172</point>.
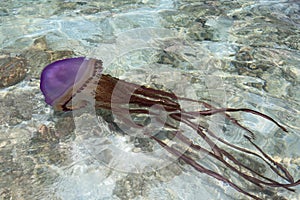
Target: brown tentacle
<point>202,169</point>
<point>213,110</point>
<point>216,149</point>
<point>254,180</point>
<point>254,154</point>
<point>200,132</point>
<point>288,175</point>
<point>225,153</point>
<point>221,110</point>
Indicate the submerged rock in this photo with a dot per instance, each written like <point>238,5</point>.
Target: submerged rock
<point>131,187</point>
<point>16,107</point>
<point>40,54</point>
<point>12,70</point>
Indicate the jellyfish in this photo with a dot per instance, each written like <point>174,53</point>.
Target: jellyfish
<point>83,78</point>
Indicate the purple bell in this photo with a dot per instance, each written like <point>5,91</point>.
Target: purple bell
<point>60,79</point>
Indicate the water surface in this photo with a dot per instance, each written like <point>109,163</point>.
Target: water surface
<point>237,53</point>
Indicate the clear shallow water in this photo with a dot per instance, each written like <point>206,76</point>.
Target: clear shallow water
<point>238,53</point>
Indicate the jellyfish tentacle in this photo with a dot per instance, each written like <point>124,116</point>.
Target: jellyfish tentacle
<point>148,103</point>
<point>148,97</point>
<point>200,132</point>
<point>221,110</point>
<point>209,106</point>
<point>202,169</point>
<point>212,110</point>
<point>288,176</point>
<point>254,154</point>
<point>219,151</point>
<point>143,90</point>
<point>252,179</point>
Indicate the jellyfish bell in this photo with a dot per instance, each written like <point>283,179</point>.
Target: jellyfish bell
<point>62,80</point>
